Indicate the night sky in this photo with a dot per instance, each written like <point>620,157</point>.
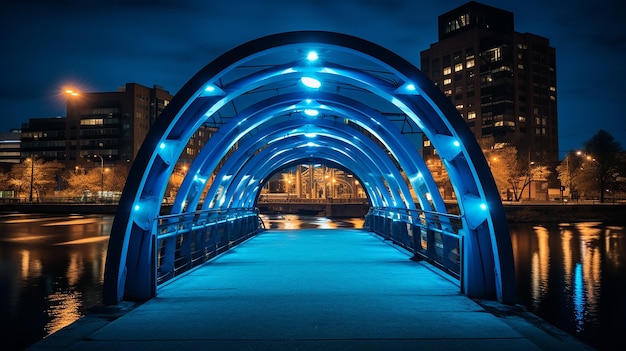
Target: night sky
<point>99,45</point>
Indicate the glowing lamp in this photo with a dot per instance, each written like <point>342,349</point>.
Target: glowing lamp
<point>311,112</point>
<point>310,82</point>
<point>312,56</point>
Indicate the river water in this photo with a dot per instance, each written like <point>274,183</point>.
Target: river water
<point>572,275</point>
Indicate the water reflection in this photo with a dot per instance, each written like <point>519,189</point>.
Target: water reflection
<point>575,278</point>
<point>51,270</point>
<point>292,221</point>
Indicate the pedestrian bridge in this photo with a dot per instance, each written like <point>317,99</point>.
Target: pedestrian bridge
<point>311,289</point>
<point>304,98</point>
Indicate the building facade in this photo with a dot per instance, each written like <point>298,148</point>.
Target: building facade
<point>104,131</point>
<point>106,125</point>
<point>503,83</point>
<point>9,149</point>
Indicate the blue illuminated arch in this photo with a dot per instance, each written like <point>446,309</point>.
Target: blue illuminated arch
<point>288,81</point>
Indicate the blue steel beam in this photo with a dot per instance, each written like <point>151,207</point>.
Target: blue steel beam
<point>372,121</point>
<point>375,160</point>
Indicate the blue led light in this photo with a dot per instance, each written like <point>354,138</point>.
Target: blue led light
<point>311,112</point>
<point>312,56</point>
<point>411,87</point>
<point>456,143</point>
<point>311,82</point>
<point>483,206</point>
<point>162,145</point>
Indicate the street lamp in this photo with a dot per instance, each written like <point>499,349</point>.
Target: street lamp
<point>32,175</point>
<point>101,176</point>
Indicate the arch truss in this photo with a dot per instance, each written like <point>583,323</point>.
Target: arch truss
<point>299,98</point>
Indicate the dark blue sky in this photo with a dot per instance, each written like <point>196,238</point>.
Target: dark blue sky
<point>99,45</point>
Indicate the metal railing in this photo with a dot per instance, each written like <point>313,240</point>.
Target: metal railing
<point>285,198</point>
<point>185,241</point>
<point>431,236</point>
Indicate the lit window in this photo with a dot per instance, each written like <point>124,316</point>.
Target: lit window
<point>494,54</point>
<point>471,115</point>
<point>447,70</point>
<point>92,122</point>
<point>447,81</point>
<point>521,118</point>
<point>458,67</point>
<point>426,143</point>
<point>459,107</point>
<point>520,66</point>
<point>469,63</point>
<point>448,92</point>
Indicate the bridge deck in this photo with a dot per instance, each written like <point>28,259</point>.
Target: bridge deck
<point>311,289</point>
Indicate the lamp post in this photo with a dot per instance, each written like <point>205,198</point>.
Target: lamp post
<point>101,176</point>
<point>32,175</point>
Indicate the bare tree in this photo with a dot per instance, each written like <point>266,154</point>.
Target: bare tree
<point>601,168</point>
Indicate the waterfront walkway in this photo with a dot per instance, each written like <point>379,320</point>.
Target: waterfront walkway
<point>311,289</point>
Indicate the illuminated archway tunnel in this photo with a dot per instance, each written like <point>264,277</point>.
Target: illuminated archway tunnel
<point>302,97</point>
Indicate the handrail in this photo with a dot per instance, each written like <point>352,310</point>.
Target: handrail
<point>431,236</point>
<point>184,241</point>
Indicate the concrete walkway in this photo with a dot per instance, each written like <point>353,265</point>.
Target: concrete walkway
<point>311,289</point>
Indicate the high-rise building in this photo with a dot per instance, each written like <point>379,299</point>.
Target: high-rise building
<point>502,82</point>
<point>103,130</point>
<point>9,149</point>
<point>113,124</point>
<point>110,125</point>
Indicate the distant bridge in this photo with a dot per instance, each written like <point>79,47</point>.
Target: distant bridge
<point>333,207</point>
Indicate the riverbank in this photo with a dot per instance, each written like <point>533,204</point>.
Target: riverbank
<point>544,213</point>
<point>548,213</point>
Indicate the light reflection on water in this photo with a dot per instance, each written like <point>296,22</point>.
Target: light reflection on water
<point>292,221</point>
<point>574,276</point>
<point>52,268</point>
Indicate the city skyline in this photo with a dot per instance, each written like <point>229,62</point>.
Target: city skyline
<point>99,46</point>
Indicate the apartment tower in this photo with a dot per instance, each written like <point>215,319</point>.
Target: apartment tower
<point>503,83</point>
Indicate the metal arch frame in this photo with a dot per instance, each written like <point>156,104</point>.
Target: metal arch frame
<point>413,165</point>
<point>488,263</point>
<point>371,120</point>
<point>330,137</point>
